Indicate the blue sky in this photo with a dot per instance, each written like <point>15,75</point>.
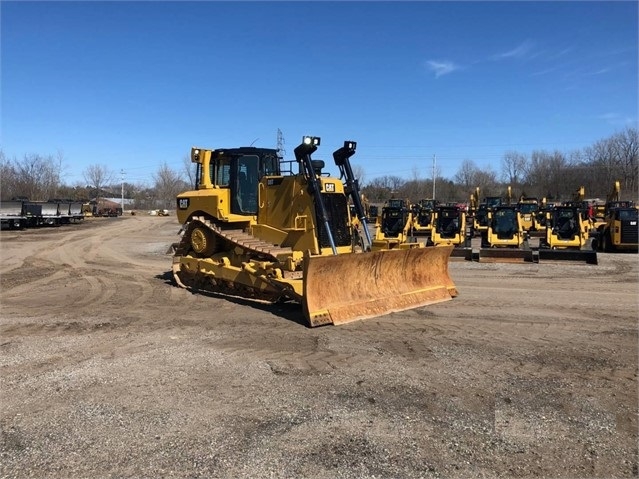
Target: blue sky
<point>133,85</point>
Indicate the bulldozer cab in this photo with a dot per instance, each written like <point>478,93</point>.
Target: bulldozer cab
<point>229,178</point>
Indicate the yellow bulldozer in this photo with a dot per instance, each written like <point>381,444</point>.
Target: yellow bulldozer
<point>251,229</point>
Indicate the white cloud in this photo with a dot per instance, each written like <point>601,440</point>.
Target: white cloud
<point>545,72</point>
<point>617,119</point>
<point>442,68</point>
<point>520,51</point>
<point>561,53</point>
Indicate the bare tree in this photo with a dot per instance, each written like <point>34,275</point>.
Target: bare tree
<point>487,182</point>
<point>8,178</point>
<point>190,170</point>
<point>98,176</point>
<point>168,184</point>
<point>411,190</point>
<point>513,166</point>
<point>360,174</point>
<point>546,173</point>
<point>466,176</point>
<point>36,177</point>
<point>382,188</point>
<point>626,150</point>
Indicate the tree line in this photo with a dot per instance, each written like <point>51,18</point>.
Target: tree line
<point>39,178</point>
<point>555,175</point>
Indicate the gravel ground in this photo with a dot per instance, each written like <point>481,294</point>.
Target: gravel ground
<point>110,370</point>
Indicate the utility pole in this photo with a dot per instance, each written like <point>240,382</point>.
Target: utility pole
<point>434,176</point>
<point>122,173</point>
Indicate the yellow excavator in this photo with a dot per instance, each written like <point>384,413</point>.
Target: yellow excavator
<point>251,229</point>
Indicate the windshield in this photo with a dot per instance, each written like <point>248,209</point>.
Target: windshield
<point>628,215</point>
<point>527,208</point>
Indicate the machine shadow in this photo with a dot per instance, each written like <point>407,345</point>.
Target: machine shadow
<point>288,310</point>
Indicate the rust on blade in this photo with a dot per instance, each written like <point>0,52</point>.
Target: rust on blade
<point>349,287</point>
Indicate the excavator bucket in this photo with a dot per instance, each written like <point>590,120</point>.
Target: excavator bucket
<point>349,287</point>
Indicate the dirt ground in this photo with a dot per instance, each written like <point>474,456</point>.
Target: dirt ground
<point>109,370</point>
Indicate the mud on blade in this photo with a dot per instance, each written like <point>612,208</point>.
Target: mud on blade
<point>348,287</point>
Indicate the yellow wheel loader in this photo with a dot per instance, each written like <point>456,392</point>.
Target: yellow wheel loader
<point>505,240</point>
<point>567,237</point>
<point>252,230</point>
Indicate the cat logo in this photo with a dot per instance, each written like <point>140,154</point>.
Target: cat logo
<point>183,203</point>
<point>329,187</point>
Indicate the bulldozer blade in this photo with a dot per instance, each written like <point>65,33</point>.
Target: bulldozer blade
<point>349,287</point>
<point>505,255</point>
<point>552,255</point>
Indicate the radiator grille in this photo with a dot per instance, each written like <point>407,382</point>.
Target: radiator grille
<point>629,233</point>
<point>337,212</point>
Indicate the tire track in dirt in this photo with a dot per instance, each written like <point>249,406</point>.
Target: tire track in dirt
<point>92,268</point>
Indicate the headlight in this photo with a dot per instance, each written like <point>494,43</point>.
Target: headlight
<point>311,140</point>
